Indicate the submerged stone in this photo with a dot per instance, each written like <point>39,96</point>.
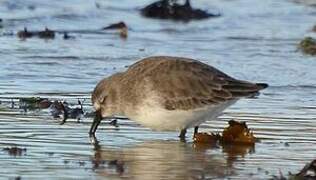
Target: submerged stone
<point>169,9</point>
<point>308,46</point>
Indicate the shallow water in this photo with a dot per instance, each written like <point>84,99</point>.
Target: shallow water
<point>253,40</point>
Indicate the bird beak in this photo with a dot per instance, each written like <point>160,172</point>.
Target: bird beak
<point>95,123</point>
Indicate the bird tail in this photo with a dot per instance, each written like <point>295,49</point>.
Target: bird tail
<point>244,89</point>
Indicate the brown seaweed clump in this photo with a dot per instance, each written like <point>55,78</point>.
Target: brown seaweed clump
<point>308,46</point>
<point>169,9</point>
<point>236,133</point>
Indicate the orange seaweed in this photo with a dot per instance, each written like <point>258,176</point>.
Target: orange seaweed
<point>205,138</point>
<point>238,133</point>
<point>235,133</point>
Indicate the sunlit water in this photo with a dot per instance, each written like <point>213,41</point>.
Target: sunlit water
<point>253,40</point>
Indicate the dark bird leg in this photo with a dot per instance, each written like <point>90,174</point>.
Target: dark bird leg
<point>95,123</point>
<point>182,135</point>
<point>196,129</point>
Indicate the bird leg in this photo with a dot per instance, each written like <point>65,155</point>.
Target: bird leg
<point>196,129</point>
<point>182,134</point>
<point>95,123</point>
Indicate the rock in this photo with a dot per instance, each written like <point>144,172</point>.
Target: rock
<point>169,9</point>
<point>118,25</point>
<point>67,36</point>
<point>121,26</point>
<point>25,34</point>
<point>46,34</point>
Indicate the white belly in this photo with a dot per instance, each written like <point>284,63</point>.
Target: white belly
<point>158,118</point>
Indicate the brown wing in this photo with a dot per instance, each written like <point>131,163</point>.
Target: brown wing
<point>185,83</point>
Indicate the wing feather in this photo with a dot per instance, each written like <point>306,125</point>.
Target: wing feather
<point>186,84</point>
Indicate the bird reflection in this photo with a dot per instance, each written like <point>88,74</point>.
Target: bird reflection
<point>168,160</point>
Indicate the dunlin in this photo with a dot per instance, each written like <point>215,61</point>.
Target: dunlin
<point>168,93</point>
